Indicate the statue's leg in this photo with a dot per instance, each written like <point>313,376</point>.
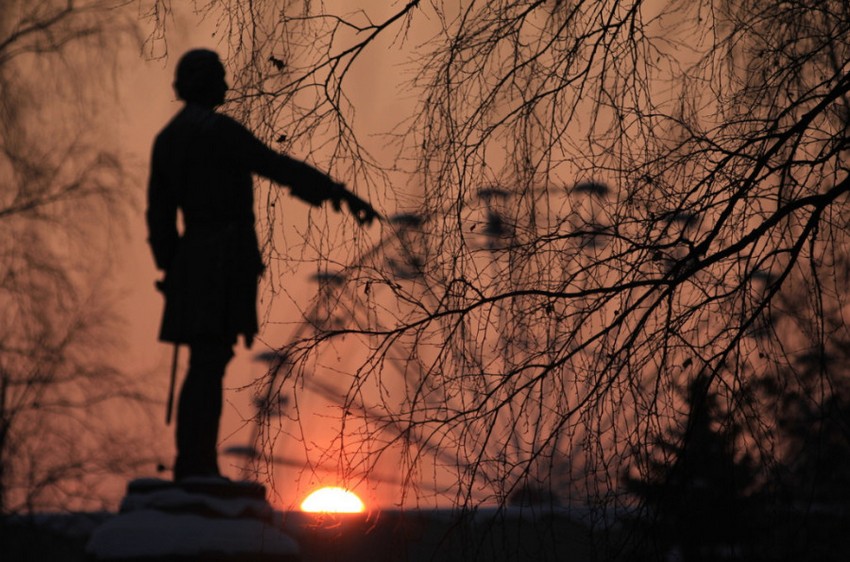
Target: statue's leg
<point>199,409</point>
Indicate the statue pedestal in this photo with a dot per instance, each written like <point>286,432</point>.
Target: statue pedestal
<point>196,519</point>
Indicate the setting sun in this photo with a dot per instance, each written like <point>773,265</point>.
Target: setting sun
<point>332,500</point>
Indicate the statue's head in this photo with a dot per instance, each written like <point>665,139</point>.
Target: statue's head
<point>199,78</point>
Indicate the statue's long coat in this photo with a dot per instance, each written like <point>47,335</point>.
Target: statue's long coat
<point>202,165</point>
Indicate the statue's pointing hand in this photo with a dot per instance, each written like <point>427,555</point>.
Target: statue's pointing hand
<point>361,210</point>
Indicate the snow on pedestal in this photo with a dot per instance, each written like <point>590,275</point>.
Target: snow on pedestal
<point>199,518</point>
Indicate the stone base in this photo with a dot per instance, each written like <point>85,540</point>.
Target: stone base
<point>197,519</point>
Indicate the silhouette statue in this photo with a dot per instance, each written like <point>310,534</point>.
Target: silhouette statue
<point>202,165</point>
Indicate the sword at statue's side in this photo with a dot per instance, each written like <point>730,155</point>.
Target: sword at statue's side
<point>170,406</point>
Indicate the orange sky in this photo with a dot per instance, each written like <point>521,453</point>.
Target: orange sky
<point>146,103</point>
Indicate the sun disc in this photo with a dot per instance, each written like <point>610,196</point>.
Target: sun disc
<point>332,499</point>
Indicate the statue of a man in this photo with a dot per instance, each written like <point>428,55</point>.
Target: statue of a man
<point>202,165</point>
